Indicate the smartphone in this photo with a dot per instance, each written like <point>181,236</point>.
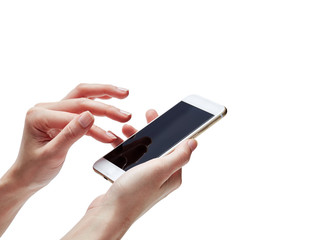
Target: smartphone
<point>187,119</point>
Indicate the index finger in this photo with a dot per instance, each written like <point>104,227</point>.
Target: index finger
<point>104,91</point>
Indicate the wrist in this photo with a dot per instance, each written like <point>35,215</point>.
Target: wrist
<point>15,181</point>
<point>113,224</point>
<point>13,184</point>
<point>13,196</point>
<point>100,224</point>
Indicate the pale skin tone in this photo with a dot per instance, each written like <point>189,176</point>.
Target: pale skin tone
<point>52,128</point>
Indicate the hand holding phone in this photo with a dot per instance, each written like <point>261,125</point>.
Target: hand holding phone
<point>133,194</point>
<point>187,119</point>
<point>140,181</point>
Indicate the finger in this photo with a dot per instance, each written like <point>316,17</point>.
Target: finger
<point>95,132</point>
<point>172,162</point>
<point>77,128</point>
<point>151,115</point>
<point>117,141</point>
<point>173,183</point>
<point>128,130</point>
<point>104,97</point>
<point>97,91</point>
<point>80,105</point>
<point>45,119</point>
<point>53,122</point>
<point>101,135</point>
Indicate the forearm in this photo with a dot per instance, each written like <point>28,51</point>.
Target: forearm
<point>13,195</point>
<point>100,225</point>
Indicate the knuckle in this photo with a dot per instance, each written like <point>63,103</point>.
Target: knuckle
<point>83,102</point>
<point>81,86</point>
<point>31,114</point>
<point>31,111</point>
<point>39,105</point>
<point>53,132</point>
<point>69,133</point>
<point>110,109</point>
<point>112,87</point>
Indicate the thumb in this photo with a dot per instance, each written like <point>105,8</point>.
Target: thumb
<point>75,129</point>
<point>179,157</point>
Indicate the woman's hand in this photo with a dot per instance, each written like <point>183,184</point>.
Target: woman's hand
<point>135,192</point>
<point>51,129</point>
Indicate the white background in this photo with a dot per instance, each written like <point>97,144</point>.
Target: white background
<point>266,171</point>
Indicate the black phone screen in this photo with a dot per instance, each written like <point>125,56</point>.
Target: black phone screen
<point>159,136</point>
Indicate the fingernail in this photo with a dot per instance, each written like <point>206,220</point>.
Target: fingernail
<point>111,135</point>
<point>122,89</point>
<point>85,119</point>
<point>125,113</point>
<point>192,144</point>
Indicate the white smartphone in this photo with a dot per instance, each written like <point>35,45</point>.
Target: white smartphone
<point>187,119</point>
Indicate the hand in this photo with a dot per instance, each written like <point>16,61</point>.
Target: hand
<point>135,192</point>
<point>51,129</point>
<point>144,185</point>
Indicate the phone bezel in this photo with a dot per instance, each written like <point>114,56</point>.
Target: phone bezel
<point>112,172</point>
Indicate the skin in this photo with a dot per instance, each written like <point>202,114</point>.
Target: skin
<point>133,194</point>
<point>52,128</point>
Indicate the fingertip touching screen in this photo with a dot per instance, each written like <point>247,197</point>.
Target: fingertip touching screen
<point>159,136</point>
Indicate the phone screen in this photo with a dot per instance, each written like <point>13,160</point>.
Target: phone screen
<point>159,136</point>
